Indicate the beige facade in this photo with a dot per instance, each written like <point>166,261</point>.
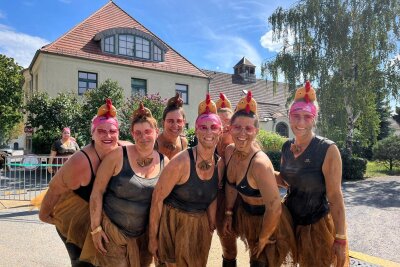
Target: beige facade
<point>54,74</point>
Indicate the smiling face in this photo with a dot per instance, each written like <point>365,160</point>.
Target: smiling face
<point>301,123</point>
<point>243,132</point>
<point>174,123</point>
<point>106,136</point>
<point>207,133</point>
<point>144,134</point>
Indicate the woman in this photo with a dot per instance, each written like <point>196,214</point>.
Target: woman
<point>182,215</point>
<point>170,142</point>
<point>121,197</point>
<point>311,167</point>
<point>228,241</point>
<point>260,219</point>
<point>66,203</point>
<point>64,147</point>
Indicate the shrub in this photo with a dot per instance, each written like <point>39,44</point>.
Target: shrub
<point>191,137</point>
<point>387,151</point>
<point>42,141</point>
<point>275,157</point>
<point>270,141</point>
<point>353,168</point>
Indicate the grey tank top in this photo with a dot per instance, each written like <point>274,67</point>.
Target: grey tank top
<point>128,197</point>
<point>306,196</point>
<point>196,194</point>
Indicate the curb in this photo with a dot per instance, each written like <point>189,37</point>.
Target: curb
<point>372,259</point>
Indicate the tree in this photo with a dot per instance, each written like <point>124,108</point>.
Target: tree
<point>396,117</point>
<point>346,48</point>
<point>388,151</point>
<point>11,100</point>
<point>153,102</point>
<point>92,100</point>
<point>49,115</point>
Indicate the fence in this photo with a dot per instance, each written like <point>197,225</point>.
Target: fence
<point>24,177</point>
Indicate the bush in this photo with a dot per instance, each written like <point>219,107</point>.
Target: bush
<point>42,141</point>
<point>270,141</point>
<point>191,137</point>
<point>353,168</point>
<point>388,151</point>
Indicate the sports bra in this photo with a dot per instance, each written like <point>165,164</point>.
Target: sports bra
<point>85,191</point>
<point>243,187</point>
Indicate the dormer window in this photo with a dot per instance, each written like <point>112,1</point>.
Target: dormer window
<point>109,44</point>
<point>130,42</point>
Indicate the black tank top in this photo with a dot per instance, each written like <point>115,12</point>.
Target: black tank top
<point>306,196</point>
<point>85,191</point>
<point>195,195</point>
<point>128,197</point>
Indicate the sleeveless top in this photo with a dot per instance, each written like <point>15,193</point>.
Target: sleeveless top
<point>244,187</point>
<point>85,191</point>
<point>306,195</point>
<point>195,195</point>
<point>128,197</point>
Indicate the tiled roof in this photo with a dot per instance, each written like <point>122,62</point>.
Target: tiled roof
<point>78,42</point>
<point>262,92</point>
<point>244,61</point>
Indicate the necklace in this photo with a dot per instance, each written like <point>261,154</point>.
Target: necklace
<point>169,146</point>
<point>241,154</point>
<point>296,149</point>
<point>204,164</point>
<point>146,161</point>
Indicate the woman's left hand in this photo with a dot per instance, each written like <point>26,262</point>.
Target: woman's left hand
<point>261,245</point>
<point>339,250</point>
<point>98,241</point>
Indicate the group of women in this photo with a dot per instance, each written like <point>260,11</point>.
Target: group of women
<point>120,204</point>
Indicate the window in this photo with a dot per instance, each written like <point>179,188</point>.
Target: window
<point>125,45</point>
<point>182,89</point>
<point>86,81</point>
<point>142,48</point>
<point>139,86</point>
<point>282,129</point>
<point>109,44</point>
<point>157,54</point>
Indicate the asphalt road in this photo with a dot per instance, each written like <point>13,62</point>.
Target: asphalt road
<point>372,210</point>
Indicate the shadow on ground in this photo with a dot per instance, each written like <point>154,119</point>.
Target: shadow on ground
<point>374,193</point>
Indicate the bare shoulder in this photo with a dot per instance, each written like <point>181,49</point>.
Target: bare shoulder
<point>184,142</point>
<point>180,158</point>
<point>124,143</point>
<point>229,150</point>
<point>261,161</point>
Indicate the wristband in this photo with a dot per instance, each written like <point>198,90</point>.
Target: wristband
<point>338,236</point>
<point>341,242</point>
<point>228,213</point>
<point>96,230</point>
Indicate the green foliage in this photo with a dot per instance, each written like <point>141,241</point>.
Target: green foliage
<point>92,100</point>
<point>377,169</point>
<point>11,100</point>
<point>396,117</point>
<point>43,139</point>
<point>49,116</point>
<point>346,49</point>
<point>154,102</point>
<point>191,137</point>
<point>353,168</point>
<point>270,141</point>
<point>387,151</point>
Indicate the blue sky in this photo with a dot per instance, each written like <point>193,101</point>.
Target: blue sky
<point>212,34</point>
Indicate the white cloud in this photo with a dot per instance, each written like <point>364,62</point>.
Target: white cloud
<point>267,42</point>
<point>20,46</point>
<point>228,50</point>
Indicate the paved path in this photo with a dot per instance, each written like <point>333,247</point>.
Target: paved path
<point>372,210</point>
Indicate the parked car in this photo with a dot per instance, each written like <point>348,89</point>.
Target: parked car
<point>6,149</point>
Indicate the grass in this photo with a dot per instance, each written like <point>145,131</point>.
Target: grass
<point>375,169</point>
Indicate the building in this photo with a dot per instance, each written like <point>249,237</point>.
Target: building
<point>271,105</point>
<point>110,44</point>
